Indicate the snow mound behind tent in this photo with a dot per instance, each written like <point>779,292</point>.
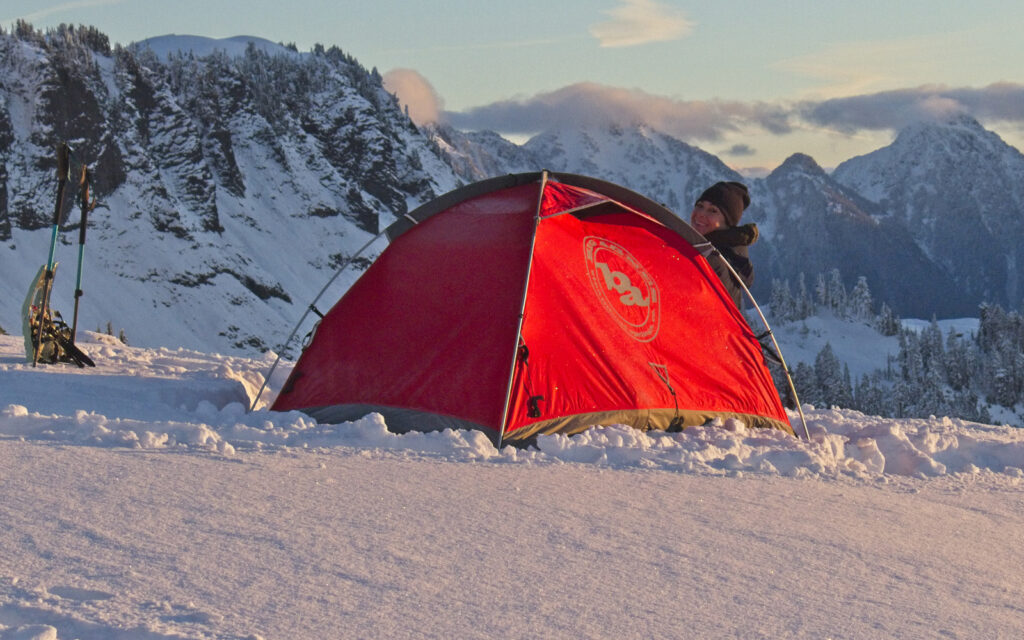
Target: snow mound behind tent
<point>161,398</point>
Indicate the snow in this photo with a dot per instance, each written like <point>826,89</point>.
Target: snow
<point>164,46</point>
<point>195,227</point>
<point>139,500</point>
<point>855,342</point>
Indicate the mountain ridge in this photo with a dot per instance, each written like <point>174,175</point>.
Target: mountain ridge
<point>233,186</point>
<point>967,213</point>
<point>236,183</point>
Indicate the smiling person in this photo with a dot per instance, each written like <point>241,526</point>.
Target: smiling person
<point>716,215</point>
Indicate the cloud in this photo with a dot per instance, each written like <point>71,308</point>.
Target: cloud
<point>415,93</point>
<point>728,122</point>
<point>898,108</point>
<point>589,103</point>
<point>637,22</point>
<point>67,6</point>
<point>740,150</point>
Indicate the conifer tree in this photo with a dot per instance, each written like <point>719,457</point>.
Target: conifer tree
<point>781,301</point>
<point>887,324</point>
<point>836,293</point>
<point>804,303</point>
<point>806,383</point>
<point>846,399</point>
<point>821,291</point>
<point>959,363</point>
<point>860,303</point>
<point>869,397</point>
<point>835,390</point>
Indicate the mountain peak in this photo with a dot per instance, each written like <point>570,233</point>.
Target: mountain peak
<point>956,123</point>
<point>951,180</point>
<point>201,46</point>
<point>799,163</point>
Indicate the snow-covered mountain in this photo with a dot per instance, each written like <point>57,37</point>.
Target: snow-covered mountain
<point>959,190</point>
<point>235,175</point>
<point>812,224</point>
<point>476,155</point>
<point>231,186</point>
<point>649,162</point>
<point>809,222</point>
<point>198,46</point>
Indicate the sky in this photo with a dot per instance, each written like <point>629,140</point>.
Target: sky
<point>750,82</point>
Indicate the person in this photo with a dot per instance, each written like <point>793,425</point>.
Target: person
<point>716,216</point>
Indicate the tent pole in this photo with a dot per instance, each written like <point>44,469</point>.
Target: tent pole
<point>522,308</point>
<point>309,308</point>
<point>771,334</point>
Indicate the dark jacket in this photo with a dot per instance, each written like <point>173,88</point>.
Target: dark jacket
<point>732,243</point>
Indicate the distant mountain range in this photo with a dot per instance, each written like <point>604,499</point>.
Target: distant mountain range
<point>237,176</point>
<point>959,191</point>
<point>935,221</point>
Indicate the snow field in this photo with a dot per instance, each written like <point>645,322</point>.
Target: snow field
<point>140,500</point>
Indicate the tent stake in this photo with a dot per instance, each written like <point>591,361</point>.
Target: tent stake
<point>522,308</point>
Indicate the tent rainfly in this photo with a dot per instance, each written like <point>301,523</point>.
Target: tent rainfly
<point>537,303</point>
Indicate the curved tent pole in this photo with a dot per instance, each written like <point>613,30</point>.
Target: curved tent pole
<point>311,307</point>
<point>522,308</point>
<point>771,334</point>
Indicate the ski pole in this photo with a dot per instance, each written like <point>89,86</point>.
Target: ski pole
<point>63,168</point>
<point>86,207</point>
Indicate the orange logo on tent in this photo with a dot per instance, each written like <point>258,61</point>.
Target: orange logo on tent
<point>626,290</point>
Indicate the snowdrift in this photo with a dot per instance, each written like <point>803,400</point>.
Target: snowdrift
<point>140,501</point>
<point>161,398</point>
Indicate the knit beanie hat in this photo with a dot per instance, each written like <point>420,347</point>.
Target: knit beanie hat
<point>732,198</point>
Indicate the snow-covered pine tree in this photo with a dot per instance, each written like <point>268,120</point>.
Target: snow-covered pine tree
<point>806,383</point>
<point>835,389</point>
<point>804,304</point>
<point>932,399</point>
<point>1001,386</point>
<point>869,396</point>
<point>783,306</point>
<point>909,357</point>
<point>960,361</point>
<point>821,291</point>
<point>888,323</point>
<point>836,293</point>
<point>847,389</point>
<point>860,304</point>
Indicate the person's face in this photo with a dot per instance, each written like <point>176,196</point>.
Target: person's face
<point>706,217</point>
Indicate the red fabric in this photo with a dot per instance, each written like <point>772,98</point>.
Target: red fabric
<point>432,323</point>
<point>614,300</point>
<point>598,336</point>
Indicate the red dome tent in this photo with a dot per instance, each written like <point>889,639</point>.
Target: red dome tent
<point>536,303</point>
